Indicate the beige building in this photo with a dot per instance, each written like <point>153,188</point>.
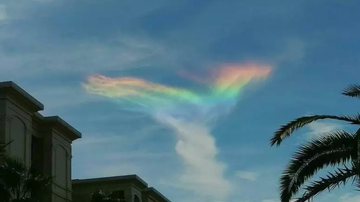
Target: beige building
<point>130,188</point>
<point>45,143</point>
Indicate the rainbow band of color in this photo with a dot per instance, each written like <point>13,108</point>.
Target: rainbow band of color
<point>227,84</point>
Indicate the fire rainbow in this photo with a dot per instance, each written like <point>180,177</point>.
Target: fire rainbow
<point>189,113</point>
<point>225,84</point>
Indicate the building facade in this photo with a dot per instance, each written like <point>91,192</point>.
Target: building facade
<point>41,142</point>
<point>130,188</point>
<point>44,143</point>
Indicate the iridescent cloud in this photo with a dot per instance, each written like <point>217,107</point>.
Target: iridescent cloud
<point>226,84</point>
<point>187,113</point>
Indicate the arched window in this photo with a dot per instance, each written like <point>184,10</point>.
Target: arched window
<point>18,145</point>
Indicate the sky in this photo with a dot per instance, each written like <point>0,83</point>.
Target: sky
<point>186,94</point>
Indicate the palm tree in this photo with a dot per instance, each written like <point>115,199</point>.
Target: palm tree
<point>100,196</point>
<point>340,150</point>
<point>19,183</point>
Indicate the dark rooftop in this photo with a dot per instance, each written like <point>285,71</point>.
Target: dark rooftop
<point>57,121</point>
<point>11,87</point>
<point>157,193</point>
<point>110,179</point>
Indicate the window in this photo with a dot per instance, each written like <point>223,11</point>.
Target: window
<point>37,154</point>
<point>18,137</point>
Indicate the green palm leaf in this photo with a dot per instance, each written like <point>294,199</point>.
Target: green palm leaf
<point>352,91</point>
<point>331,181</point>
<point>336,148</point>
<point>18,183</point>
<point>286,130</point>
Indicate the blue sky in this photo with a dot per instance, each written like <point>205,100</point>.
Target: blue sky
<point>51,47</point>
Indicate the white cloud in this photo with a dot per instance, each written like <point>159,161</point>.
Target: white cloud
<point>78,57</point>
<point>93,141</point>
<point>321,128</point>
<point>125,162</point>
<point>111,169</point>
<point>294,50</point>
<point>203,173</point>
<point>247,175</point>
<point>349,198</point>
<point>3,13</point>
<point>68,59</point>
<point>102,140</point>
<point>269,200</point>
<point>115,155</point>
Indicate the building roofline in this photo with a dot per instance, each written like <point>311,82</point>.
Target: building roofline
<point>59,123</point>
<point>111,179</point>
<point>18,91</point>
<point>157,193</point>
<point>56,121</point>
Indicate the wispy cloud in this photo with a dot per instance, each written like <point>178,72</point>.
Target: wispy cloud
<point>204,173</point>
<point>269,200</point>
<point>322,128</point>
<point>349,198</point>
<point>82,57</point>
<point>119,153</point>
<point>49,46</point>
<point>294,51</point>
<point>247,175</point>
<point>3,13</point>
<point>35,50</point>
<point>190,114</point>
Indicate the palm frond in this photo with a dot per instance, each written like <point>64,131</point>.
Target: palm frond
<point>3,146</point>
<point>19,182</point>
<point>286,130</point>
<point>331,181</point>
<point>352,91</point>
<point>336,148</point>
<point>2,151</point>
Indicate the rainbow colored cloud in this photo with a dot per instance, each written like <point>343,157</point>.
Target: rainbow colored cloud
<point>189,114</point>
<point>225,83</point>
